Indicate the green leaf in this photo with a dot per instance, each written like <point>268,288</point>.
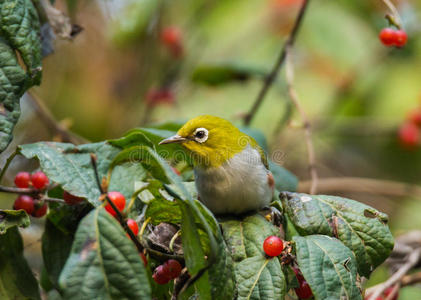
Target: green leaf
<point>169,151</point>
<point>361,228</point>
<point>124,178</point>
<point>20,27</point>
<point>192,249</point>
<point>284,179</point>
<point>257,277</point>
<point>12,86</point>
<point>221,272</point>
<point>103,263</point>
<point>56,246</point>
<point>133,138</point>
<point>223,73</point>
<point>11,218</point>
<point>70,165</point>
<point>328,266</point>
<point>16,278</point>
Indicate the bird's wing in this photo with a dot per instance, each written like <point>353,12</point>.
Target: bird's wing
<point>262,152</point>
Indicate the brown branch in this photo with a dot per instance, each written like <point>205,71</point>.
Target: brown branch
<point>307,127</point>
<point>411,279</point>
<point>377,290</point>
<point>118,214</point>
<point>276,68</point>
<point>46,116</point>
<point>363,185</point>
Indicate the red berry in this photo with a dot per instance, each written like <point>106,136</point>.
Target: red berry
<point>304,291</point>
<point>273,245</point>
<point>160,275</point>
<point>40,211</point>
<point>22,179</point>
<point>409,135</point>
<point>39,180</point>
<point>171,35</point>
<point>387,36</point>
<point>71,199</point>
<point>133,226</point>
<point>119,201</point>
<point>159,96</point>
<point>415,117</point>
<point>173,268</point>
<point>400,38</point>
<point>24,202</point>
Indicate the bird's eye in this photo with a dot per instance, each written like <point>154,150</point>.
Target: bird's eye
<point>201,135</point>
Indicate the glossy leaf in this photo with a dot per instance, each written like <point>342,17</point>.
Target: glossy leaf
<point>218,74</point>
<point>361,228</point>
<point>258,277</point>
<point>328,266</point>
<point>70,166</point>
<point>11,218</point>
<point>16,278</point>
<point>20,27</point>
<point>103,263</point>
<point>13,82</point>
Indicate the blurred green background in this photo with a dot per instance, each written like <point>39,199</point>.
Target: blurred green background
<point>356,91</point>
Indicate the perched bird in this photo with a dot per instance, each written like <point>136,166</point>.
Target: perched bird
<point>231,170</point>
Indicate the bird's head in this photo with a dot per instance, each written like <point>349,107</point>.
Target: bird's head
<point>211,140</point>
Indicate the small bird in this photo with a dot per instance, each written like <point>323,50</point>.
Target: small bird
<point>231,170</point>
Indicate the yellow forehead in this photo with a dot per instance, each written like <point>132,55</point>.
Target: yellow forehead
<point>205,121</point>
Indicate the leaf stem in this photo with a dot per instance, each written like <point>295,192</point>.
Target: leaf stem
<point>276,68</point>
<point>394,18</point>
<point>6,165</point>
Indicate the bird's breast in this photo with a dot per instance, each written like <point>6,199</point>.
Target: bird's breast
<point>240,184</point>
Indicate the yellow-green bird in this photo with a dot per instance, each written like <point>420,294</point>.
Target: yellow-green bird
<point>230,168</point>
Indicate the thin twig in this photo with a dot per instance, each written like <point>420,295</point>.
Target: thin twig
<point>15,190</point>
<point>395,19</point>
<point>118,214</point>
<point>276,68</point>
<point>47,117</point>
<point>307,127</point>
<point>363,185</point>
<point>377,290</point>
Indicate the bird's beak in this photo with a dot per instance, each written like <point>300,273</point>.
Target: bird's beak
<point>173,139</point>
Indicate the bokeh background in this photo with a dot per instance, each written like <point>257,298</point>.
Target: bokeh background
<point>124,71</point>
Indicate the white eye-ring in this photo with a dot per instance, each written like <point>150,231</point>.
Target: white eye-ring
<point>201,135</point>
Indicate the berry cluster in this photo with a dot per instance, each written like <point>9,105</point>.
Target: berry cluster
<point>410,132</point>
<point>393,37</point>
<point>32,205</point>
<point>169,270</point>
<point>304,290</point>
